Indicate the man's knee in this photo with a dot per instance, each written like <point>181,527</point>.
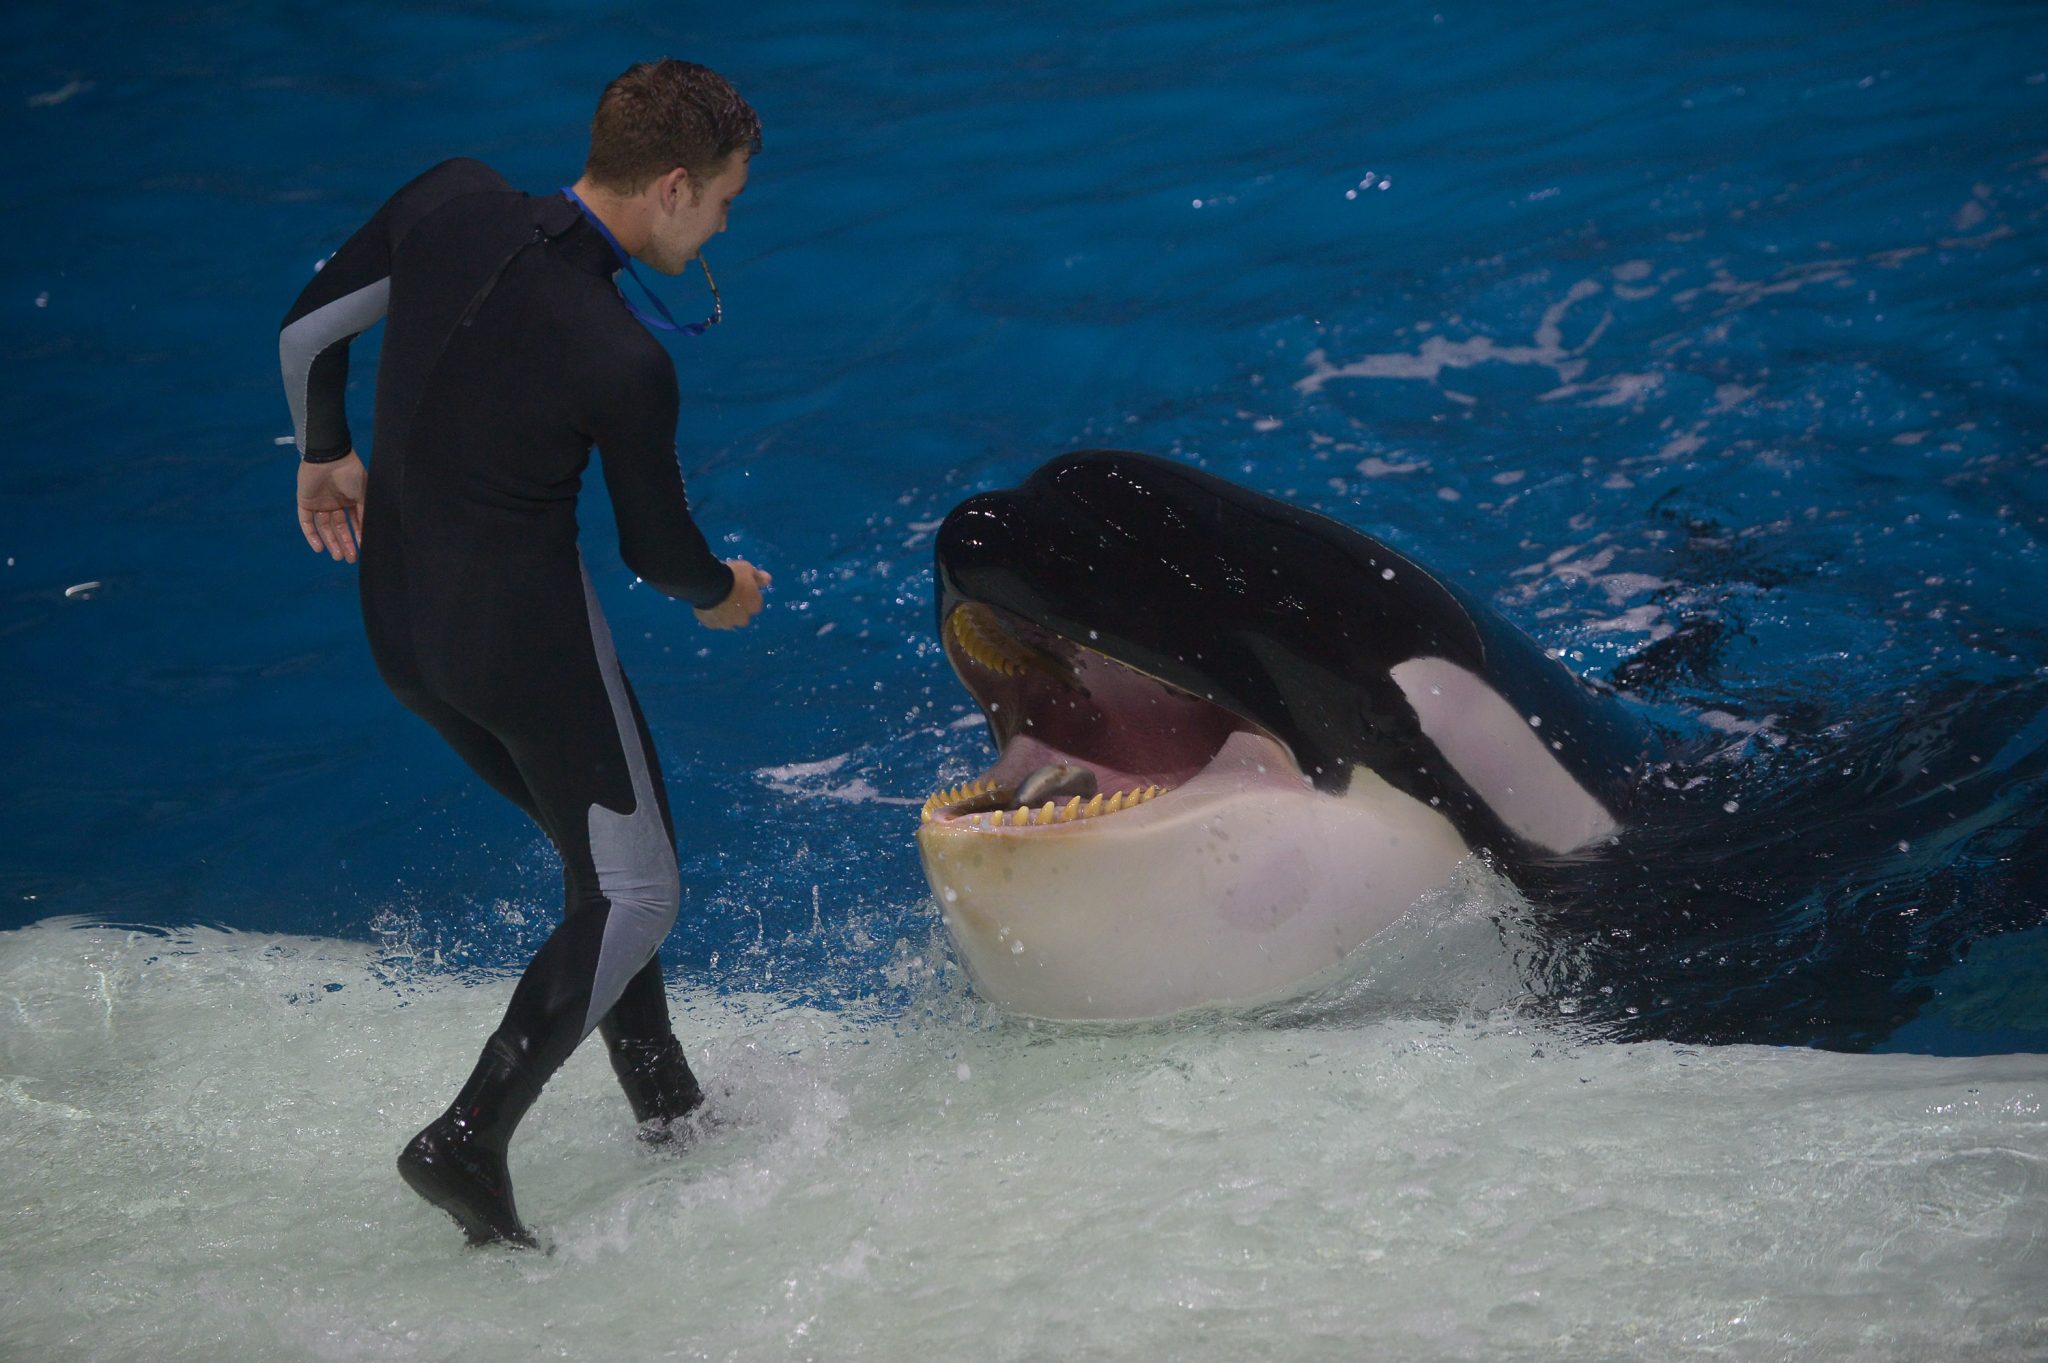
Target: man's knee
<point>640,911</point>
<point>647,902</point>
<point>636,866</point>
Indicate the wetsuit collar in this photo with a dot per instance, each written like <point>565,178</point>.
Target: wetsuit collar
<point>665,322</point>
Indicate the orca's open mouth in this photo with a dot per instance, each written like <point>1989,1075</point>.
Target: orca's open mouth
<point>1080,735</point>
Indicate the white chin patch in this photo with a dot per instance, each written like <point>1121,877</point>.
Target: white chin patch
<point>1503,756</point>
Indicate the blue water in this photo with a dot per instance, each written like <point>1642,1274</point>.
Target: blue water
<point>1718,323</point>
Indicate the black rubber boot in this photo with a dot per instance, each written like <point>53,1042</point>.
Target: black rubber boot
<point>458,1162</point>
<point>658,1084</point>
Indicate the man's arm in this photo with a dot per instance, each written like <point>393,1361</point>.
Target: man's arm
<point>633,417</point>
<point>346,297</point>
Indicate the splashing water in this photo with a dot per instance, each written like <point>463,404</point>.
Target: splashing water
<point>942,1182</point>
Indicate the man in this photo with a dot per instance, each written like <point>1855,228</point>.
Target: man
<point>508,353</point>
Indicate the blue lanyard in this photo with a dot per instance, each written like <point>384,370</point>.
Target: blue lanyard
<point>665,322</point>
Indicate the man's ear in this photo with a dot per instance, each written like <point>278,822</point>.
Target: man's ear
<point>674,190</point>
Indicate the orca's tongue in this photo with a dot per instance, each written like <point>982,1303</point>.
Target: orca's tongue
<point>1057,781</point>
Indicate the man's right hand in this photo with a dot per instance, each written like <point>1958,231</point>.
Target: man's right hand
<point>743,602</point>
<point>331,506</point>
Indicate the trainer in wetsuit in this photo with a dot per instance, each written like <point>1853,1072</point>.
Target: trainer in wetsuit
<point>509,351</point>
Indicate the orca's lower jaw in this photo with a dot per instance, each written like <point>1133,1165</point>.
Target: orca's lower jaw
<point>1137,852</point>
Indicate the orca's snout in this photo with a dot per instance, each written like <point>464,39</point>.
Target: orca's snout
<point>1001,549</point>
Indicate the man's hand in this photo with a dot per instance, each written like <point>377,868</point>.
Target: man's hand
<point>743,602</point>
<point>331,506</point>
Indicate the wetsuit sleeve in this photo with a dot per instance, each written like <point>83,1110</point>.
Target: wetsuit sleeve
<point>634,423</point>
<point>348,296</point>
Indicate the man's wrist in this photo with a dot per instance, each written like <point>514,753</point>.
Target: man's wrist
<point>732,582</point>
<point>327,456</point>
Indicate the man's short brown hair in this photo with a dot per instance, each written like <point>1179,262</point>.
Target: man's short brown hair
<point>656,116</point>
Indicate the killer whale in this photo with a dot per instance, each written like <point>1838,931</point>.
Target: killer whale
<point>1236,739</point>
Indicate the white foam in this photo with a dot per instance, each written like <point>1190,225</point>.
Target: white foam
<point>808,780</point>
<point>1438,353</point>
<point>196,1138</point>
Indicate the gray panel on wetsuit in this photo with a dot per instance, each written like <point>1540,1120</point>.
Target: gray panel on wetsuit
<point>300,344</point>
<point>635,861</point>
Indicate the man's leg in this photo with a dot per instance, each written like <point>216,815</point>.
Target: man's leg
<point>647,1058</point>
<point>574,734</point>
<point>467,1177</point>
<point>637,1032</point>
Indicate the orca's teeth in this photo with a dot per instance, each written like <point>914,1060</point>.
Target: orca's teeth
<point>973,628</point>
<point>989,804</point>
<point>968,798</point>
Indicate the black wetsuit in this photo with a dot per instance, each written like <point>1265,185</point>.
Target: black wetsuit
<point>508,353</point>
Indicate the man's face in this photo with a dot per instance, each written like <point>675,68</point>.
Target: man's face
<point>694,213</point>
